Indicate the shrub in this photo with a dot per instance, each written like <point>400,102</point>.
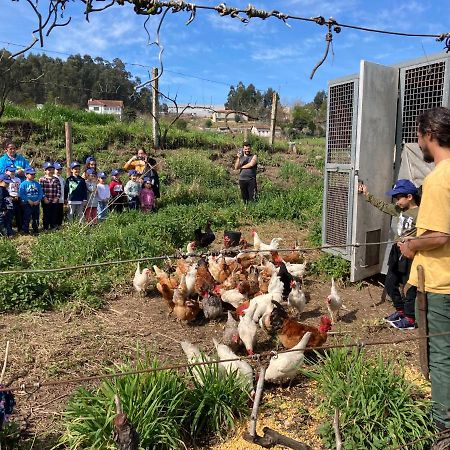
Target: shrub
<point>378,407</point>
<point>161,406</point>
<point>333,266</point>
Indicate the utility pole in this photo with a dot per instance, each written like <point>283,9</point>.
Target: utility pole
<point>68,129</point>
<point>155,109</point>
<point>273,118</point>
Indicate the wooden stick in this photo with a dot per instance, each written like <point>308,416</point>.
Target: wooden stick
<point>337,433</point>
<point>258,395</point>
<point>5,362</point>
<point>421,300</point>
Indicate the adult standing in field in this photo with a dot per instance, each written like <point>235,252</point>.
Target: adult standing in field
<point>12,158</point>
<point>431,249</point>
<point>247,164</point>
<point>145,166</point>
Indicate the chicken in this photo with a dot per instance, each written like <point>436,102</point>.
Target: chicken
<point>286,278</point>
<point>293,256</point>
<point>262,304</point>
<point>243,368</point>
<point>219,268</point>
<point>290,331</point>
<point>231,333</point>
<point>212,306</point>
<point>165,286</point>
<point>191,275</point>
<point>285,366</point>
<point>334,302</point>
<point>247,259</point>
<point>247,332</point>
<point>184,308</point>
<point>163,277</point>
<point>190,248</point>
<point>297,270</point>
<point>194,355</point>
<point>141,280</point>
<point>232,281</point>
<point>204,281</point>
<point>204,239</point>
<point>182,267</point>
<point>253,282</point>
<point>296,297</point>
<point>260,245</point>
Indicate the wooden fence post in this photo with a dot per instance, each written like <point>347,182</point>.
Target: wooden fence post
<point>155,112</point>
<point>68,129</point>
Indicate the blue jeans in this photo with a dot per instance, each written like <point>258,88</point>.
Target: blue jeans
<point>102,210</point>
<point>30,212</point>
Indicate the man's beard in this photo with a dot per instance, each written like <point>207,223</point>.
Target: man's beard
<point>426,155</point>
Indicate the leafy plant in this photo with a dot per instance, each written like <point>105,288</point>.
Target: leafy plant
<point>333,266</point>
<point>378,407</point>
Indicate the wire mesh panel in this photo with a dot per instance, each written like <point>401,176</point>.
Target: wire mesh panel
<point>423,89</point>
<point>340,121</point>
<point>336,215</point>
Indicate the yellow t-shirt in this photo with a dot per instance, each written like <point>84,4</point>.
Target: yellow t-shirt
<point>434,215</point>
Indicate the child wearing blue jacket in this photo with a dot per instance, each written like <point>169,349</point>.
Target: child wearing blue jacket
<point>31,194</point>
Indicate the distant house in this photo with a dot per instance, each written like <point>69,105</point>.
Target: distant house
<point>220,115</point>
<point>106,107</point>
<point>264,130</point>
<point>194,110</point>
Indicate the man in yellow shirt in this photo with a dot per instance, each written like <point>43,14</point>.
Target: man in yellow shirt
<point>431,249</point>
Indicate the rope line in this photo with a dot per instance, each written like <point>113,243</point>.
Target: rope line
<point>33,387</point>
<point>225,252</point>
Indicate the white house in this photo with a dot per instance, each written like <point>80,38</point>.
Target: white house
<point>264,130</point>
<point>106,107</point>
<point>221,114</point>
<point>194,110</point>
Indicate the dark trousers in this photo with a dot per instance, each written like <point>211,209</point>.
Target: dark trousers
<point>49,215</point>
<point>17,213</point>
<point>59,214</point>
<point>248,190</point>
<point>396,277</point>
<point>438,318</point>
<point>8,221</point>
<point>30,212</point>
<point>133,203</point>
<point>3,231</point>
<point>116,203</point>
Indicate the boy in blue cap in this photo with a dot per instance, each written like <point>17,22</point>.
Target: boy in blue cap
<point>75,192</point>
<point>133,189</point>
<point>406,207</point>
<point>13,189</point>
<point>60,204</point>
<point>51,188</point>
<point>31,194</point>
<point>5,204</point>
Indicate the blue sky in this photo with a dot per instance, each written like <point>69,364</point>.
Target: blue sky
<point>225,51</point>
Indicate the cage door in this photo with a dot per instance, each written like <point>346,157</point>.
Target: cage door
<point>374,158</point>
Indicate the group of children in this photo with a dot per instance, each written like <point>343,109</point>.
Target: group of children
<point>89,196</point>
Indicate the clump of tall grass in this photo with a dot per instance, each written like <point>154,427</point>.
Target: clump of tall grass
<point>166,407</point>
<point>378,407</point>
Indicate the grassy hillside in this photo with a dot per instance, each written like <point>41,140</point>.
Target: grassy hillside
<point>197,185</point>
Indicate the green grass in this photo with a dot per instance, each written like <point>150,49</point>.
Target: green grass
<point>166,408</point>
<point>378,407</point>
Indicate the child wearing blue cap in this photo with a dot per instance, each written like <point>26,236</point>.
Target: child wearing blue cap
<point>104,195</point>
<point>116,188</point>
<point>51,188</point>
<point>147,196</point>
<point>60,204</point>
<point>5,205</point>
<point>407,200</point>
<point>133,189</point>
<point>75,192</point>
<point>31,194</point>
<point>13,189</point>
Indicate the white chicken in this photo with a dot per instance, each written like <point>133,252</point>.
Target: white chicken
<point>296,270</point>
<point>334,302</point>
<point>142,280</point>
<point>194,355</point>
<point>296,297</point>
<point>260,245</point>
<point>284,366</point>
<point>231,333</point>
<point>233,297</point>
<point>262,304</point>
<point>247,332</point>
<point>243,368</point>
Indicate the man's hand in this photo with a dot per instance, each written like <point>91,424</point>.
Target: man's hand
<point>405,249</point>
<point>46,200</point>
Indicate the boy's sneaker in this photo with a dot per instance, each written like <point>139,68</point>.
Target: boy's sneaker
<point>404,324</point>
<point>397,315</point>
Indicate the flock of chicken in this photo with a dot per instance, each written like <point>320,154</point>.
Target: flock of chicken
<point>254,288</point>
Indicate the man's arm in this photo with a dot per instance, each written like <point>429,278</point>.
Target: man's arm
<point>429,240</point>
<point>236,163</point>
<point>250,164</point>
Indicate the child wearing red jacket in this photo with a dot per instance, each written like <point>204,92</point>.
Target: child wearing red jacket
<point>118,197</point>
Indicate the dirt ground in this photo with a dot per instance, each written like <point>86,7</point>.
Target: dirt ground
<point>70,343</point>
